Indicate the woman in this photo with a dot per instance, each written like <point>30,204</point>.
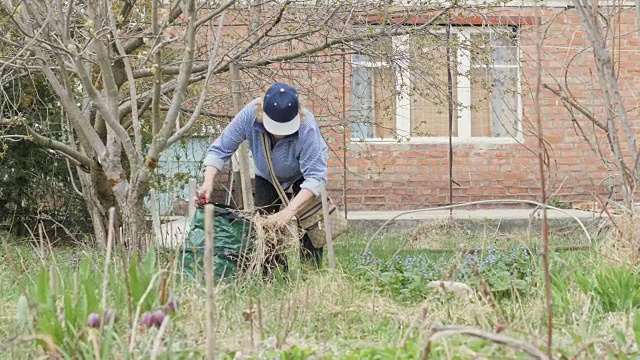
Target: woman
<point>298,152</point>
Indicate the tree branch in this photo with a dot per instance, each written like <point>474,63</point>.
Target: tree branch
<point>132,85</point>
<point>59,147</point>
<point>205,89</point>
<point>125,108</point>
<point>106,73</point>
<point>172,70</point>
<point>137,42</point>
<point>203,112</point>
<point>98,101</point>
<point>254,40</point>
<point>87,135</point>
<point>146,97</point>
<point>159,142</point>
<point>576,106</point>
<point>611,95</point>
<point>218,11</point>
<point>126,9</point>
<point>157,77</point>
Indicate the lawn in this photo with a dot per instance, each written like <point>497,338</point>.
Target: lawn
<point>376,305</point>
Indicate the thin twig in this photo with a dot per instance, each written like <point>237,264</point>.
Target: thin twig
<point>107,262</point>
<point>577,106</point>
<point>158,340</point>
<point>139,307</point>
<point>443,332</point>
<point>543,191</point>
<point>450,97</point>
<point>590,344</point>
<point>125,271</point>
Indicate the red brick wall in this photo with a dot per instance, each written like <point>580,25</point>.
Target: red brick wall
<point>394,176</point>
<point>407,176</point>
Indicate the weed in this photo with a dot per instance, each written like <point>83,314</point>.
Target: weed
<point>66,307</point>
<point>615,287</point>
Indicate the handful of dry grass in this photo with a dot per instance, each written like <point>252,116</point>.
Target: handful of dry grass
<point>270,244</point>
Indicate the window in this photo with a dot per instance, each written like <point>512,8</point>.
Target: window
<point>401,88</point>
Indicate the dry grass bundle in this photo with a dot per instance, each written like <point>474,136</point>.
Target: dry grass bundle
<point>271,245</point>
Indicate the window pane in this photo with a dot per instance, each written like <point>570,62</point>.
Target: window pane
<point>503,48</point>
<point>373,91</point>
<point>480,103</point>
<point>494,102</point>
<point>493,48</point>
<point>430,94</point>
<point>504,100</point>
<point>361,103</point>
<point>385,102</point>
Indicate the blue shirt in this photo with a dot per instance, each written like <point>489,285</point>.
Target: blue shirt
<point>300,155</point>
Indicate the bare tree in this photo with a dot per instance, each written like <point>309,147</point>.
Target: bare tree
<point>610,117</point>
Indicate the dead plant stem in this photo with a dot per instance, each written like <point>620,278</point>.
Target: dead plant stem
<point>158,340</point>
<point>543,190</point>
<point>443,332</point>
<point>209,273</point>
<point>139,308</point>
<point>450,107</point>
<point>107,263</point>
<point>125,271</point>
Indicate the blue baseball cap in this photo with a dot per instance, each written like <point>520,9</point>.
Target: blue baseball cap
<point>281,116</point>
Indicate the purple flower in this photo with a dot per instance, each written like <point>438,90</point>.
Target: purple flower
<point>171,306</point>
<point>93,321</point>
<point>147,319</point>
<point>158,318</point>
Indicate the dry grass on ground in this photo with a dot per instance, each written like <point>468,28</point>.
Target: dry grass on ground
<point>342,315</point>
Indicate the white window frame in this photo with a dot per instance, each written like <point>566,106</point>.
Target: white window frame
<point>403,105</point>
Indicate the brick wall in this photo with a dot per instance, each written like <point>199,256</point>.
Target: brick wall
<point>406,176</point>
<point>394,176</point>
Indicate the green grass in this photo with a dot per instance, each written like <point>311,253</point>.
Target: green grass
<point>370,308</point>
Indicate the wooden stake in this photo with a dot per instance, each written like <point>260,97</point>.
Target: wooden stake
<point>155,216</point>
<point>192,205</point>
<point>327,228</point>
<point>243,151</point>
<point>209,273</point>
<point>40,231</point>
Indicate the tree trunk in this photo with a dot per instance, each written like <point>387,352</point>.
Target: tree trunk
<point>131,214</point>
<point>95,209</point>
<point>129,205</point>
<point>134,225</point>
